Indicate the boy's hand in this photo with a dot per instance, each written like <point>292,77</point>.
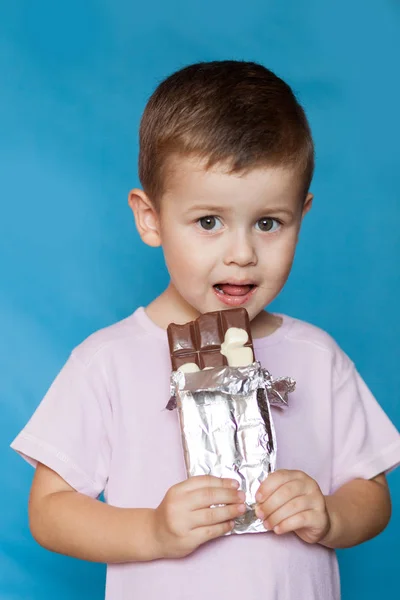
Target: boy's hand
<point>184,519</point>
<point>292,501</point>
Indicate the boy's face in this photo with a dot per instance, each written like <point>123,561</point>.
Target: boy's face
<point>228,240</point>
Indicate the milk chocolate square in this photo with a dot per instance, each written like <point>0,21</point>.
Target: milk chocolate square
<point>200,341</point>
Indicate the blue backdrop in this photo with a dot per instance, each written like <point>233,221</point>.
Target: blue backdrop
<point>74,80</point>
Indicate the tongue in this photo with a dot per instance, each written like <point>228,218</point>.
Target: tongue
<point>235,290</point>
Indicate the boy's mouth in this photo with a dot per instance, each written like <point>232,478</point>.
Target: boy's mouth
<point>234,294</point>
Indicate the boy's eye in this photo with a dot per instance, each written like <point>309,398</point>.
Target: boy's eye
<point>267,224</point>
<point>210,223</point>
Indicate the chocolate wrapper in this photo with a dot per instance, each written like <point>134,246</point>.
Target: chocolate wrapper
<point>227,428</point>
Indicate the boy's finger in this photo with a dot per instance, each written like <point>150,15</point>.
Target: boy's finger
<point>298,521</point>
<point>285,493</point>
<point>274,481</point>
<point>287,510</point>
<point>211,532</point>
<point>210,496</point>
<point>217,514</point>
<point>202,481</point>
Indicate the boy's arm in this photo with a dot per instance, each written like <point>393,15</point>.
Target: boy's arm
<point>67,522</point>
<point>358,511</point>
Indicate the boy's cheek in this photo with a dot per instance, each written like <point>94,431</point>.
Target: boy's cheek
<point>279,263</point>
<point>185,258</point>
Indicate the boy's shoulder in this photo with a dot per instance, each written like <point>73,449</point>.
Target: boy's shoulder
<point>120,336</point>
<point>307,338</point>
<point>301,331</point>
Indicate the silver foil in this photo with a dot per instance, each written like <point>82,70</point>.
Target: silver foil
<point>227,427</point>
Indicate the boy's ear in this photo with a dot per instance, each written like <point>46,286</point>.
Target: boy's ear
<point>146,217</point>
<point>307,205</point>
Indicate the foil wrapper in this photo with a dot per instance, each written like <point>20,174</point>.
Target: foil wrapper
<point>227,428</point>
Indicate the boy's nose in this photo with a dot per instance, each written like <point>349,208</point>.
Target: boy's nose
<point>240,251</point>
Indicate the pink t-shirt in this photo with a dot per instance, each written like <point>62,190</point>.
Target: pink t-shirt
<point>103,427</point>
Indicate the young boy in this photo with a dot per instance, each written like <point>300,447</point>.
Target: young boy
<point>226,161</point>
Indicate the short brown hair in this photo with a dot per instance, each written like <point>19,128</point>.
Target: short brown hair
<point>232,112</point>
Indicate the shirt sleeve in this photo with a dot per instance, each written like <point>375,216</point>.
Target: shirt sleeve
<point>365,441</point>
<point>70,430</point>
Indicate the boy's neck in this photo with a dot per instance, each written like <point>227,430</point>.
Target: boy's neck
<point>170,307</point>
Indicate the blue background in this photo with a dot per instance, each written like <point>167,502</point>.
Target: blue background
<point>74,80</point>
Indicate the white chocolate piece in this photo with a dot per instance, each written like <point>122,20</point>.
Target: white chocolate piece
<point>189,368</point>
<point>233,348</point>
<point>235,337</point>
<point>240,357</point>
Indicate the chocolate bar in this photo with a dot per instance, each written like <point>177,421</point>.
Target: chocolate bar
<point>224,412</point>
<point>215,339</point>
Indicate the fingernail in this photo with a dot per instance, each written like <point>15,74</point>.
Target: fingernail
<point>234,483</point>
<point>259,497</point>
<point>242,496</point>
<point>242,508</point>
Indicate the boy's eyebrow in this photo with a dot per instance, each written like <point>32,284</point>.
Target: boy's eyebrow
<point>210,208</point>
<point>214,209</point>
<point>286,211</point>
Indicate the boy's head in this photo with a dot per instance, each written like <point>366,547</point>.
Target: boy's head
<point>238,114</point>
<point>226,160</point>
